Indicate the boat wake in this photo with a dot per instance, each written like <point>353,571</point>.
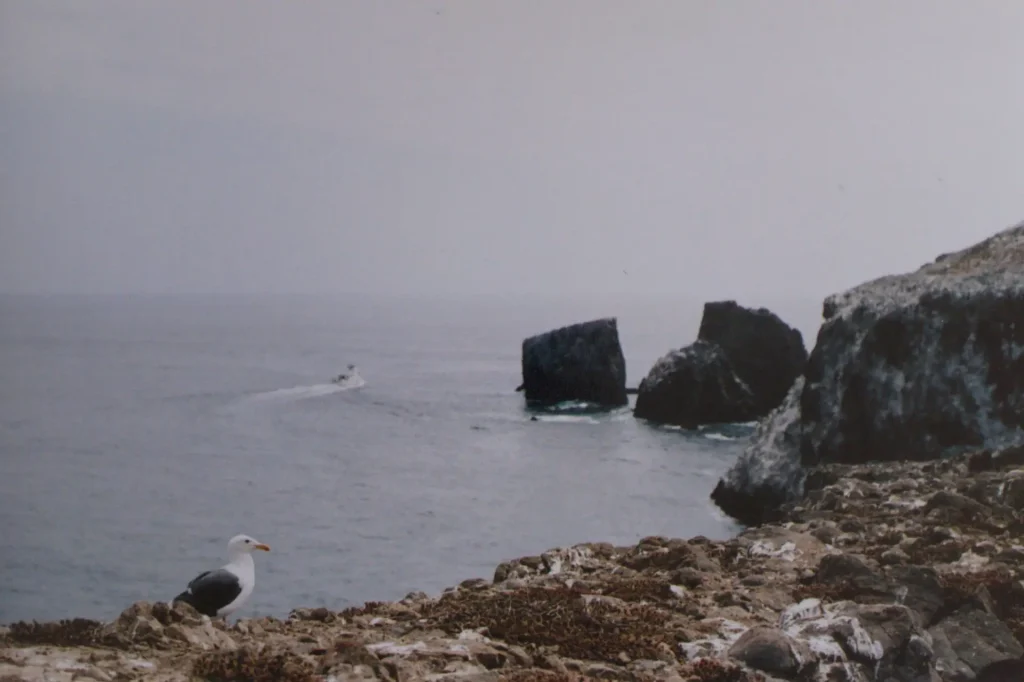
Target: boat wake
<point>296,393</point>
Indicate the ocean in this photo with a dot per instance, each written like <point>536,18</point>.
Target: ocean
<point>137,434</point>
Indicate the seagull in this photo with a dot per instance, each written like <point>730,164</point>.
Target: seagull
<point>225,590</point>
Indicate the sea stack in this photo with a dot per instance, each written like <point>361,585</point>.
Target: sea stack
<point>581,362</point>
<point>738,370</point>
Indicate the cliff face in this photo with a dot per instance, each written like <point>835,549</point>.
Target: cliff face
<point>915,366</point>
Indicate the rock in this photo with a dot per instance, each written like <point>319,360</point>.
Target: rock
<point>1008,670</point>
<point>947,500</point>
<point>826,534</point>
<point>889,628</point>
<point>1013,493</point>
<point>919,365</point>
<point>919,588</point>
<point>579,362</point>
<point>319,614</point>
<point>602,671</point>
<point>1009,456</point>
<point>439,652</point>
<point>767,354</point>
<point>739,369</point>
<point>980,461</point>
<point>141,623</point>
<point>767,649</point>
<point>894,556</point>
<point>693,386</point>
<point>852,573</point>
<point>971,639</point>
<point>915,366</point>
<point>847,576</point>
<point>768,473</point>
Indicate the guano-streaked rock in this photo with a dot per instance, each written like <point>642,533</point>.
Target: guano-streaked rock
<point>915,366</point>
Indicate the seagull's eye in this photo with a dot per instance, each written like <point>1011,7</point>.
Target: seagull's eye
<point>248,541</point>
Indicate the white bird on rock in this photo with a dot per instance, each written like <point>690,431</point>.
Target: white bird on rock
<point>225,590</point>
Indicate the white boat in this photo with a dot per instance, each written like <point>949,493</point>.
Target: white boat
<point>348,377</point>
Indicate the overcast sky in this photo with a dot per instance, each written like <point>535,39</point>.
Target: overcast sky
<point>719,149</point>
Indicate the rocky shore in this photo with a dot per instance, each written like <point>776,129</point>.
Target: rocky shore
<point>884,571</point>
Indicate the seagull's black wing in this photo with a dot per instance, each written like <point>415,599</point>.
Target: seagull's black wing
<point>211,590</point>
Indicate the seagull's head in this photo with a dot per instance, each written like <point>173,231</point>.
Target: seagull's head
<point>243,544</point>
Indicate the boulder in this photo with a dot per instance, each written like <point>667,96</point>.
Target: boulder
<point>693,386</point>
<point>972,639</point>
<point>907,367</point>
<point>922,365</point>
<point>766,353</point>
<point>740,368</point>
<point>579,362</point>
<point>768,472</point>
<point>1007,670</point>
<point>770,650</point>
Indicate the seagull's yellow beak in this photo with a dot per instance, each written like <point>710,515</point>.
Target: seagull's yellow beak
<point>265,548</point>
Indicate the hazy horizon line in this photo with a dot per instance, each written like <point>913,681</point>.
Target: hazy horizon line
<point>411,295</point>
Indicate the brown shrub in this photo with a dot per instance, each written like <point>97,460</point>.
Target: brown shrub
<point>827,592</point>
<point>1007,599</point>
<point>713,670</point>
<point>370,608</point>
<point>74,632</point>
<point>536,675</point>
<point>253,665</point>
<point>638,589</point>
<point>557,617</point>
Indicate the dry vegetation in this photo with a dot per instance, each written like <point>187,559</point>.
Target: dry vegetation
<point>558,617</point>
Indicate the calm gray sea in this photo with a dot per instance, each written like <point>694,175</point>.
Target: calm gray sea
<point>138,434</point>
